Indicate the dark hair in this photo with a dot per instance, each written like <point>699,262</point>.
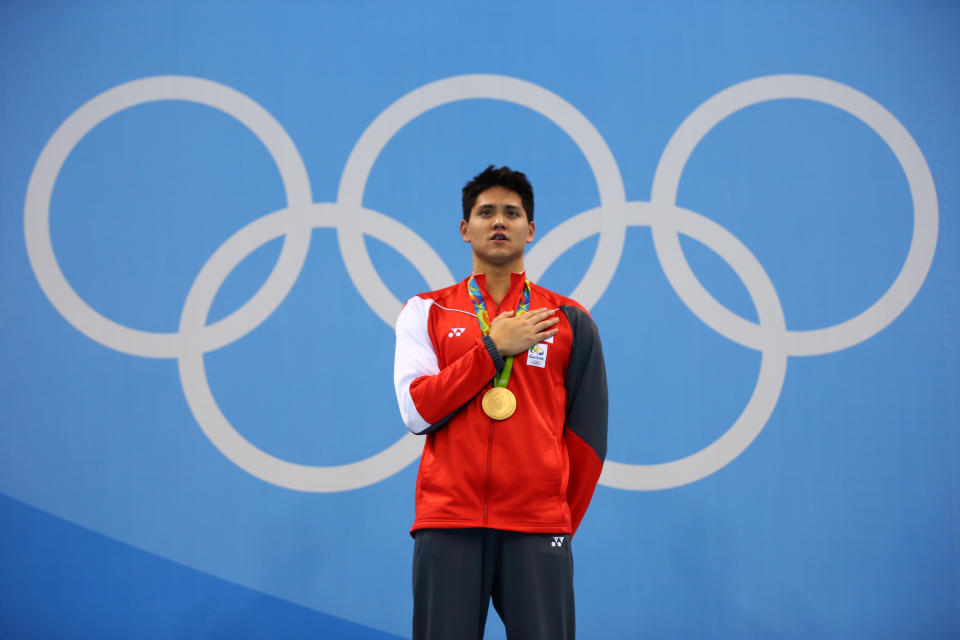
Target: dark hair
<point>503,177</point>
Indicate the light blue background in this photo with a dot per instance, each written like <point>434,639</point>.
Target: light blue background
<point>840,520</point>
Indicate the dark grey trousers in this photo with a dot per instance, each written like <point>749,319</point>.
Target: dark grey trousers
<point>456,572</point>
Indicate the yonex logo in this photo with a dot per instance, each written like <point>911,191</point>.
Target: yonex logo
<point>455,332</point>
<point>557,541</point>
<point>197,336</point>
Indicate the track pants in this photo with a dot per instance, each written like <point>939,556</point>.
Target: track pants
<point>456,572</point>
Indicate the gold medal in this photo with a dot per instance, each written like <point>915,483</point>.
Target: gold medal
<point>499,403</point>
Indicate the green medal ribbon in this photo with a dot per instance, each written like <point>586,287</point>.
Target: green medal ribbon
<point>501,379</point>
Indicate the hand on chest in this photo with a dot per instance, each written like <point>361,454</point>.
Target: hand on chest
<point>455,333</point>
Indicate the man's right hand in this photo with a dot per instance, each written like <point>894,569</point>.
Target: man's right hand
<point>515,334</point>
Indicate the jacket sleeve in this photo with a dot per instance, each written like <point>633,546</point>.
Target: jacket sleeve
<point>585,431</point>
<point>428,395</point>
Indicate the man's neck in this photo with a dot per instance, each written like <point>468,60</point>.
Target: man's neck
<point>497,278</point>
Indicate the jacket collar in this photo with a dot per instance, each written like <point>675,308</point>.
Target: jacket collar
<point>511,300</point>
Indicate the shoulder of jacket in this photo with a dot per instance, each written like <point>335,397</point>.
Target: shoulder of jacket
<point>556,300</point>
<point>452,298</point>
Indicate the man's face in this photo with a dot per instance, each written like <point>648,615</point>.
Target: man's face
<point>498,229</point>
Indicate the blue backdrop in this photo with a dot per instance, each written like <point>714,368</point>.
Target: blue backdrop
<point>210,214</point>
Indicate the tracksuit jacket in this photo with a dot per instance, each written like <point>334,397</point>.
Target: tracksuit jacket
<point>534,472</point>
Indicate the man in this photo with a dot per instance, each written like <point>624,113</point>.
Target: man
<point>507,381</point>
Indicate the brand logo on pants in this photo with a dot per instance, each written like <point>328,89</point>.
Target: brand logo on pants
<point>557,541</point>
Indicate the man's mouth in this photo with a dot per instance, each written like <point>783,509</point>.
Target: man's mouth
<point>499,237</point>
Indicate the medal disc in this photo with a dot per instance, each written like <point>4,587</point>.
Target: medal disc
<point>499,403</point>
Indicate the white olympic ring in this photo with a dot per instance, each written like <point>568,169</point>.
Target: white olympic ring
<point>666,220</point>
<point>36,222</point>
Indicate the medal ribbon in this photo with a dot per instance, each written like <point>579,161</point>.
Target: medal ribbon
<point>501,379</point>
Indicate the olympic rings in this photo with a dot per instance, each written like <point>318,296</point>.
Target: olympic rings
<point>352,221</point>
<point>922,246</point>
<point>196,387</point>
<point>435,94</point>
<point>36,222</point>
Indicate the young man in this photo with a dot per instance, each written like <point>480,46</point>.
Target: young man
<point>507,381</point>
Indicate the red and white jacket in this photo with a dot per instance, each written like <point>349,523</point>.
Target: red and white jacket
<point>537,470</point>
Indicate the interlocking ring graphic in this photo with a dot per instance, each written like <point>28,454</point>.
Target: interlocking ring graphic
<point>610,220</point>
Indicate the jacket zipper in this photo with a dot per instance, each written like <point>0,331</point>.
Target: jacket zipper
<point>489,478</point>
<point>489,467</point>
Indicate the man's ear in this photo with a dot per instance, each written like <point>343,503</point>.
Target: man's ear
<point>530,229</point>
<point>463,231</point>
